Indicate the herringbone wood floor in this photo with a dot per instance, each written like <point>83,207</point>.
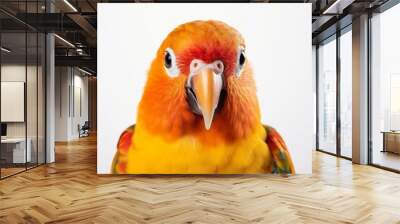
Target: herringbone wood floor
<point>70,191</point>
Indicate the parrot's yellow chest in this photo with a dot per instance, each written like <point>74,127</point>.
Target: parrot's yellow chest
<point>153,155</point>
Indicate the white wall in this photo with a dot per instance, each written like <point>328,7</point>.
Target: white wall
<point>17,72</point>
<point>61,96</point>
<point>12,73</point>
<point>80,118</point>
<point>70,83</point>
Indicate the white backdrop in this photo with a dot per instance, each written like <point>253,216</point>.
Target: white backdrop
<point>278,45</point>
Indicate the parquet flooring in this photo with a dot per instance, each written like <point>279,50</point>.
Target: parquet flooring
<point>10,171</point>
<point>70,191</point>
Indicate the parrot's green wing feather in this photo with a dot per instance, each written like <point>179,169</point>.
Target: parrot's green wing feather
<point>281,160</point>
<point>121,156</point>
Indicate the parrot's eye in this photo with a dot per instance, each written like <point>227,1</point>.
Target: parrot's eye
<point>168,60</point>
<point>170,63</point>
<point>240,61</point>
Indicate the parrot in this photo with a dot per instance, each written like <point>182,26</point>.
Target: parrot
<point>199,112</point>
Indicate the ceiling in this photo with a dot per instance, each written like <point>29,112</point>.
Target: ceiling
<point>76,22</point>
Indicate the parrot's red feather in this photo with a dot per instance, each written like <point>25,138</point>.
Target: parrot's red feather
<point>124,144</point>
<point>281,160</point>
<point>164,98</point>
<point>208,52</point>
<point>125,141</point>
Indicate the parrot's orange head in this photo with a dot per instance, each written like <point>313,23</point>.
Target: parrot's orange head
<point>200,83</point>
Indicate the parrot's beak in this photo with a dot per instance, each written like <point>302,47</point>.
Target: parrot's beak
<point>206,82</point>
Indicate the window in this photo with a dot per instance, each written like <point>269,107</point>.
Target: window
<point>385,89</point>
<point>346,93</point>
<point>335,74</point>
<point>327,96</point>
<point>395,102</point>
<point>22,101</point>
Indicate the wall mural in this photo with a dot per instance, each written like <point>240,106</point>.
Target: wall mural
<point>200,105</point>
<point>199,110</point>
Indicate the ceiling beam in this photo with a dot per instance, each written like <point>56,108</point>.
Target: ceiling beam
<point>337,6</point>
<point>83,61</point>
<point>321,21</point>
<point>84,24</point>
